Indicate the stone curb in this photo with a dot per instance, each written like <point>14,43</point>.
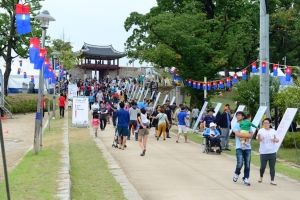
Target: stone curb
<point>64,182</point>
<point>129,190</point>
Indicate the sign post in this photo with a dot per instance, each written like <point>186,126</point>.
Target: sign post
<point>146,93</point>
<point>217,108</point>
<point>166,97</point>
<point>80,114</point>
<point>173,99</point>
<point>285,124</point>
<point>72,91</point>
<point>200,115</point>
<point>156,101</point>
<point>140,95</point>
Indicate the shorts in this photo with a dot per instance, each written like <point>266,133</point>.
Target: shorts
<point>132,122</point>
<point>244,132</point>
<point>95,128</point>
<point>143,132</point>
<point>182,128</point>
<point>122,131</point>
<point>156,126</point>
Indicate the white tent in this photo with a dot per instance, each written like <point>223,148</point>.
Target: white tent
<point>16,80</point>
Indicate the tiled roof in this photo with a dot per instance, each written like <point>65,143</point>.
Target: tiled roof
<point>103,51</point>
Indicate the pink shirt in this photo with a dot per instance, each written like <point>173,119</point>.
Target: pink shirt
<point>95,122</point>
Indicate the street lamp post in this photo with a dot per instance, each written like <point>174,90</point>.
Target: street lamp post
<point>55,55</point>
<point>45,18</point>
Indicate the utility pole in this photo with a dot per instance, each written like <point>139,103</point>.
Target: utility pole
<point>264,97</point>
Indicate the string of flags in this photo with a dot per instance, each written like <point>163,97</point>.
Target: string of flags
<point>37,55</point>
<point>219,84</point>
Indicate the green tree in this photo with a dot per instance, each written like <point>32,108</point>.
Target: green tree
<point>199,38</point>
<point>13,45</point>
<point>288,97</point>
<point>65,48</point>
<point>247,93</point>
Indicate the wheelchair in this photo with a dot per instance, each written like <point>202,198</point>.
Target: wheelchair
<point>205,147</point>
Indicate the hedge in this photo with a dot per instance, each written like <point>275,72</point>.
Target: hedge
<point>289,142</point>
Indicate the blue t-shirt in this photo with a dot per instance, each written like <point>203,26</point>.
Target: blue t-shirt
<point>91,99</point>
<point>123,118</point>
<point>181,115</point>
<point>209,120</point>
<point>238,144</point>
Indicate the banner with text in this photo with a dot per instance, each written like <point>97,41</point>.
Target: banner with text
<point>80,114</point>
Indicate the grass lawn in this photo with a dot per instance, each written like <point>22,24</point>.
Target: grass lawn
<point>284,153</point>
<point>90,175</point>
<point>36,175</point>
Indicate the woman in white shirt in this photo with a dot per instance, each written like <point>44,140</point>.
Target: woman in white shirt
<point>267,138</point>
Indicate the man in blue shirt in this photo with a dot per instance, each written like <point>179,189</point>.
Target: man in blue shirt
<point>242,155</point>
<point>123,121</point>
<point>209,118</point>
<point>182,124</point>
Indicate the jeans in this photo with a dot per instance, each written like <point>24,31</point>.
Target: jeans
<point>243,157</point>
<point>193,119</point>
<point>61,111</point>
<point>114,120</point>
<point>102,123</point>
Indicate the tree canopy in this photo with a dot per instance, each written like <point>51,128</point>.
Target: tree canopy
<point>13,45</point>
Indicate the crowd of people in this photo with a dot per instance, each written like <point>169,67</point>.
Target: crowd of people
<point>109,101</point>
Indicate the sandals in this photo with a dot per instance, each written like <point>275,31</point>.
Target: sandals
<point>260,181</point>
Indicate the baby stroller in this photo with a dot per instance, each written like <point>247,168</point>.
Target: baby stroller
<point>115,141</point>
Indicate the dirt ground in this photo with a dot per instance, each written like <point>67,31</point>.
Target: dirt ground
<point>18,138</point>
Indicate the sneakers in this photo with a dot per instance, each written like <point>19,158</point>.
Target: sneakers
<point>246,182</point>
<point>235,177</point>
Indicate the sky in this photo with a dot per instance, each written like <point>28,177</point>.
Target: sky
<point>96,22</point>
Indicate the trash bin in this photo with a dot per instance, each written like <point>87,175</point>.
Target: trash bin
<point>24,88</point>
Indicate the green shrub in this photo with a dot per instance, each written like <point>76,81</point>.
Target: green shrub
<point>25,106</point>
<point>289,142</point>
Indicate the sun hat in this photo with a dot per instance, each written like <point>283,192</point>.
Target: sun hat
<point>212,124</point>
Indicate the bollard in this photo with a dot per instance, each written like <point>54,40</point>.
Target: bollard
<point>53,108</point>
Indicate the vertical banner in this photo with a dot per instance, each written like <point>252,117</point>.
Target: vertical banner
<point>217,108</point>
<point>72,91</point>
<point>156,100</point>
<point>133,94</point>
<point>258,116</point>
<point>200,115</point>
<point>165,99</point>
<point>141,94</point>
<point>80,113</point>
<point>146,93</point>
<point>152,95</point>
<point>234,120</point>
<point>285,124</point>
<point>173,99</point>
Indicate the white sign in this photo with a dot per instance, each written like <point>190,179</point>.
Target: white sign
<point>200,115</point>
<point>285,124</point>
<point>133,93</point>
<point>146,93</point>
<point>80,113</point>
<point>72,91</point>
<point>259,115</point>
<point>154,106</point>
<point>173,99</point>
<point>234,120</point>
<point>166,97</point>
<point>217,108</point>
<point>140,95</point>
<point>152,95</point>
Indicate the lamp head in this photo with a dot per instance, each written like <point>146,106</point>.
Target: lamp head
<point>45,18</point>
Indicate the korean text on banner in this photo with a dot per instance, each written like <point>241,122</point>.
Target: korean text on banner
<point>80,112</point>
<point>72,91</point>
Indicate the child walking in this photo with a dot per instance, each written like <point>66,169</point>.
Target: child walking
<point>245,127</point>
<point>95,123</point>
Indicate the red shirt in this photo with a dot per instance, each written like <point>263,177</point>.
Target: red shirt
<point>43,102</point>
<point>62,101</point>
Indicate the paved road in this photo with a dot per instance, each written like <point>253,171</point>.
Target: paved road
<point>180,171</point>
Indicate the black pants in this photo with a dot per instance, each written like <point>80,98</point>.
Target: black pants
<point>61,111</point>
<point>264,158</point>
<point>214,141</point>
<point>132,123</point>
<point>102,123</point>
<point>91,103</point>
